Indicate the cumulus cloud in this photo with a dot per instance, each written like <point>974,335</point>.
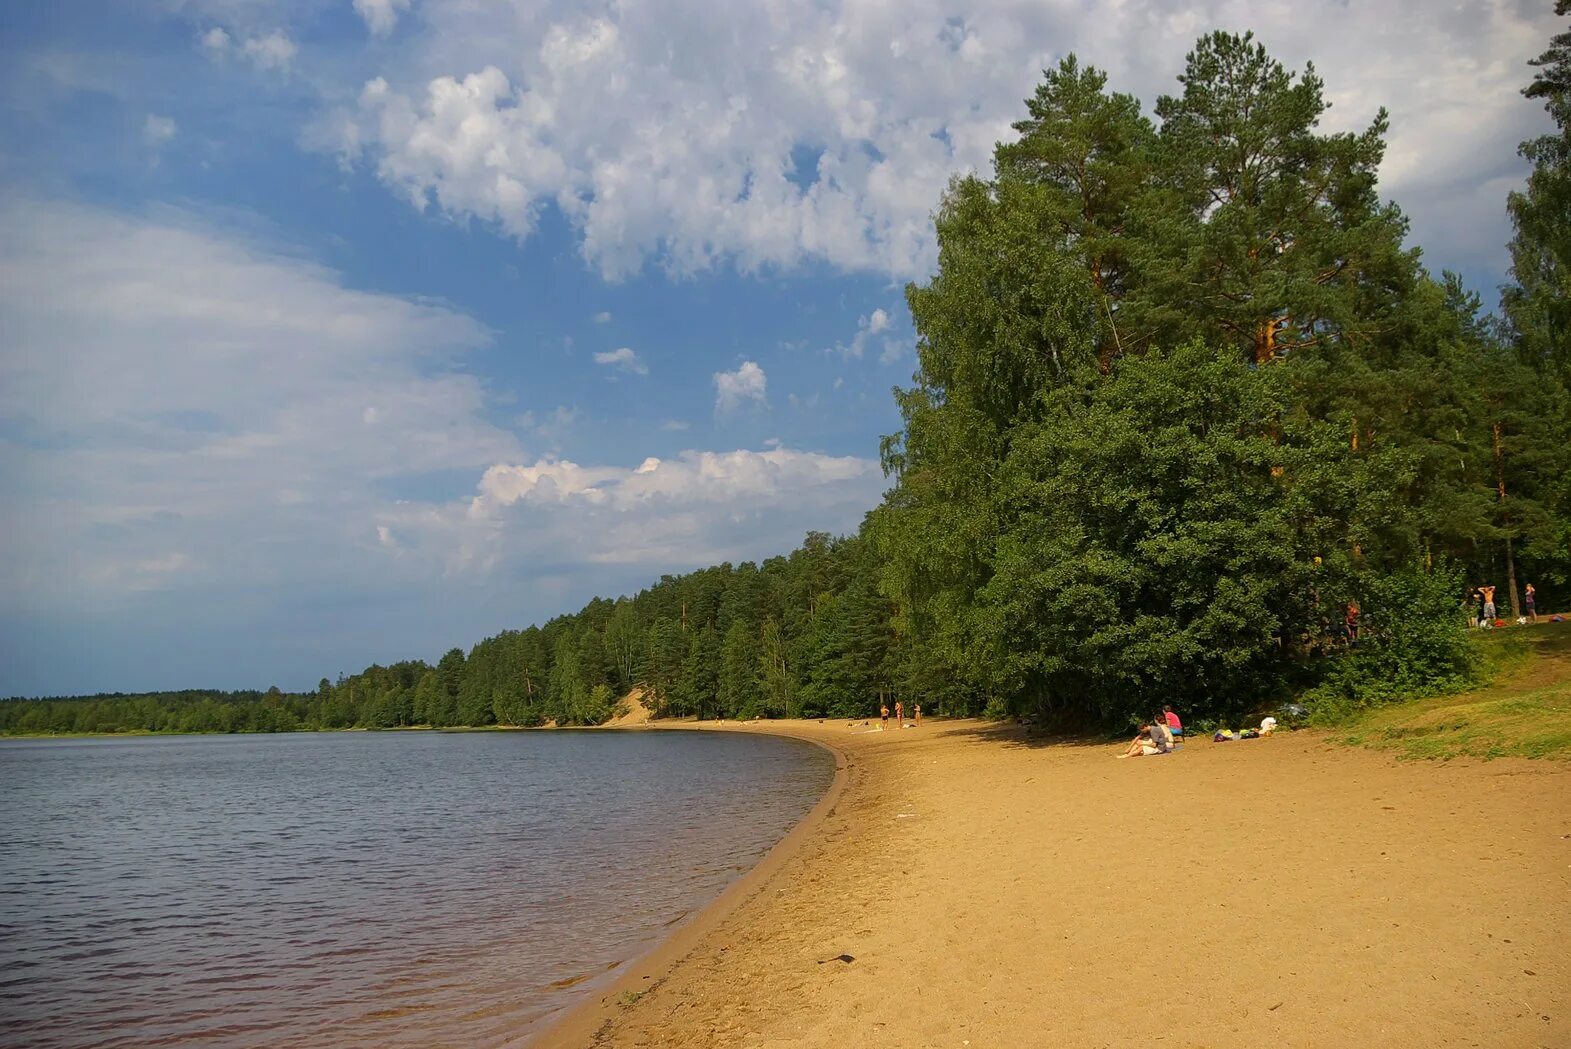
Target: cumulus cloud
<point>216,448</point>
<point>695,509</point>
<point>216,41</point>
<point>191,413</point>
<point>273,51</point>
<point>380,16</point>
<point>623,359</point>
<point>747,383</point>
<point>157,130</point>
<point>778,133</point>
<point>269,51</point>
<point>867,326</point>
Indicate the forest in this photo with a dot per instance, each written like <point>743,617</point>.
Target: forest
<point>1184,394</point>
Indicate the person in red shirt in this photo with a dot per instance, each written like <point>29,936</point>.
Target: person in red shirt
<point>1174,726</point>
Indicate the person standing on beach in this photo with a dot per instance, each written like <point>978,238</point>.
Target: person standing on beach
<point>1532,603</point>
<point>1489,603</point>
<point>883,716</point>
<point>900,714</point>
<point>918,713</point>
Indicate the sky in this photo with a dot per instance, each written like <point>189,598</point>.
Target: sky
<point>346,331</point>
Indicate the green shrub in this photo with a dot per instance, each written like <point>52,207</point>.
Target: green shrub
<point>1413,642</point>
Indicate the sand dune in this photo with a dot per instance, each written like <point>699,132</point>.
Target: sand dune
<point>993,891</point>
<point>631,711</point>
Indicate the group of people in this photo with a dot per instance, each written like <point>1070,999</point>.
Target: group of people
<point>900,714</point>
<point>1165,729</point>
<point>1484,613</point>
<point>1159,737</point>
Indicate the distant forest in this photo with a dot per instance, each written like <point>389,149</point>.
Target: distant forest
<point>1184,396</point>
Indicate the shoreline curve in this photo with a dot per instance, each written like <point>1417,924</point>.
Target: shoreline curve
<point>582,1023</point>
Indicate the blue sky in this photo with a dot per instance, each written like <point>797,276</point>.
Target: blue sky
<point>340,331</point>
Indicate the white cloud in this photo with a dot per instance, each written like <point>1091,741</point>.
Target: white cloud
<point>216,42</point>
<point>273,51</point>
<point>747,383</point>
<point>553,426</point>
<point>695,509</point>
<point>223,465</point>
<point>381,16</point>
<point>157,130</point>
<point>603,317</point>
<point>623,359</point>
<point>196,411</point>
<point>673,426</point>
<point>777,133</point>
<point>867,326</point>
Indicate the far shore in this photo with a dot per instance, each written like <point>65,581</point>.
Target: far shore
<point>964,883</point>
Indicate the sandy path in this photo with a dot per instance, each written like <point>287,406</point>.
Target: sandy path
<point>996,893</point>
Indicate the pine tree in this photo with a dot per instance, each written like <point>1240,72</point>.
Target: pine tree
<point>1261,231</point>
<point>1538,302</point>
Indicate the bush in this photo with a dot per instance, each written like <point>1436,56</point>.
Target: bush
<point>1413,643</point>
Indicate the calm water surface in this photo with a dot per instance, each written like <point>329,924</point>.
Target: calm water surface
<point>360,889</point>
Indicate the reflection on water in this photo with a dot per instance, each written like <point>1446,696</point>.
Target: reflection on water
<point>360,889</point>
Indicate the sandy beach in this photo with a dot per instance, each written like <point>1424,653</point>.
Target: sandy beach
<point>966,885</point>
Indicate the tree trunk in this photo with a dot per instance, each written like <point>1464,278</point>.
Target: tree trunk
<point>1505,522</point>
<point>1516,608</point>
<point>1265,340</point>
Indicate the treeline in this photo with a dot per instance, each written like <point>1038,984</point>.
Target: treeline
<point>186,710</point>
<point>806,635</point>
<point>1185,399</point>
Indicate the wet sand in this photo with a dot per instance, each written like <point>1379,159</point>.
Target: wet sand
<point>997,891</point>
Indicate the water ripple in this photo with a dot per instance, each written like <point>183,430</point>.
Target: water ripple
<point>360,889</point>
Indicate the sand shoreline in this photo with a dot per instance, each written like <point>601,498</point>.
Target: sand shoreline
<point>584,1022</point>
<point>995,890</point>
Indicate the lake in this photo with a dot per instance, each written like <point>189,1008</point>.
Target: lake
<point>362,889</point>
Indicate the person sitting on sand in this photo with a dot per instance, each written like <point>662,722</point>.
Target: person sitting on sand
<point>883,716</point>
<point>1161,735</point>
<point>1151,739</point>
<point>1174,726</point>
<point>1141,744</point>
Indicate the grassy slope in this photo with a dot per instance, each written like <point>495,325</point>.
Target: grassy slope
<point>1525,711</point>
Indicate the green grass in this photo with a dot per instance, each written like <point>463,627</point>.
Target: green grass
<point>1523,711</point>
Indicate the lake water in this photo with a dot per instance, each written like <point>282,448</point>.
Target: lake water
<point>361,889</point>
